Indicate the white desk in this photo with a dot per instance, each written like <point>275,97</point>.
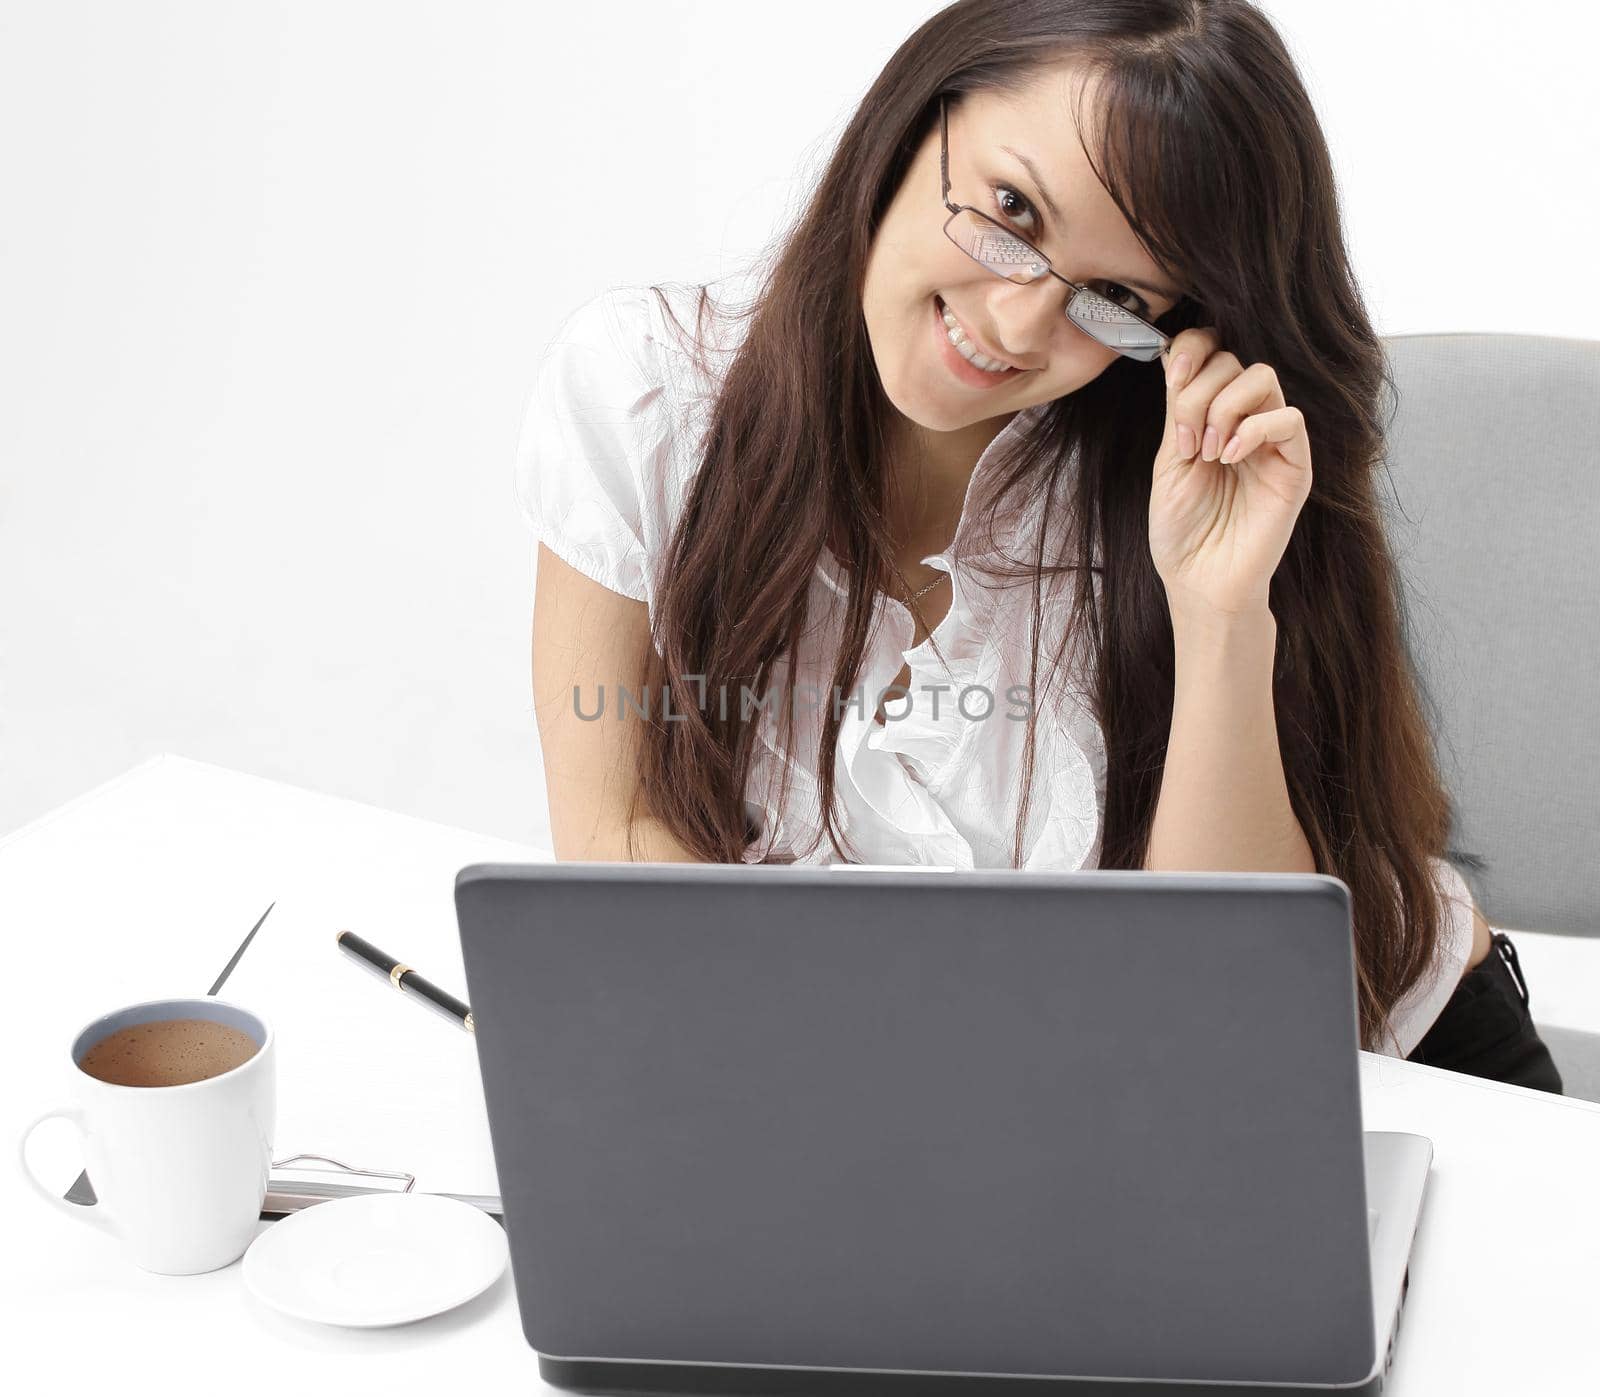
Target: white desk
<point>143,887</point>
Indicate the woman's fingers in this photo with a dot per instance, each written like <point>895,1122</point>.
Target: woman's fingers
<point>1192,360</point>
<point>1283,426</point>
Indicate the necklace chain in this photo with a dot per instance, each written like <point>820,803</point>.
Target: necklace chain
<point>923,590</point>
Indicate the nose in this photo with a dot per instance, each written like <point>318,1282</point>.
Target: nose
<point>1026,318</point>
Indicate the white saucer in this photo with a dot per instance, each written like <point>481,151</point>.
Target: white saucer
<point>375,1259</point>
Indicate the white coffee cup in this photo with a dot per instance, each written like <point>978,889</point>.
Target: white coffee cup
<point>180,1171</point>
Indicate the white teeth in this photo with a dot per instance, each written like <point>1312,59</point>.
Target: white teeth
<point>957,336</point>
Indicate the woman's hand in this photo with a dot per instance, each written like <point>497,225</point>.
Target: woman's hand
<point>1233,470</point>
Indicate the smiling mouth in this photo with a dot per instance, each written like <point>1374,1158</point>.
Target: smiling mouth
<point>962,343</point>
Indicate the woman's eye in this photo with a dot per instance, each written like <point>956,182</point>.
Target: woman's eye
<point>1013,207</point>
<point>1115,292</point>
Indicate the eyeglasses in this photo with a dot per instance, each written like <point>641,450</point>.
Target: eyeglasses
<point>994,246</point>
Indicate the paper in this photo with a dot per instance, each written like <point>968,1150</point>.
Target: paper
<point>365,1075</point>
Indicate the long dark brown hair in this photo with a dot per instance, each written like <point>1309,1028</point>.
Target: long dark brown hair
<point>1209,145</point>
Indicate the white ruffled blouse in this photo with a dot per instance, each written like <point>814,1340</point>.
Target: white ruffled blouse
<point>603,467</point>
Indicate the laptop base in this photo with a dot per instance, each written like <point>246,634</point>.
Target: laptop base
<point>735,1380</point>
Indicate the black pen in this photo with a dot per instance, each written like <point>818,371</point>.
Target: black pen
<point>405,979</point>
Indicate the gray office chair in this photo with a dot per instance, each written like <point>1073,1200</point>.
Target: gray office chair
<point>1494,518</point>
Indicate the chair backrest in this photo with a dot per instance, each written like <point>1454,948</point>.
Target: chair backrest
<point>1494,519</point>
<point>1576,1055</point>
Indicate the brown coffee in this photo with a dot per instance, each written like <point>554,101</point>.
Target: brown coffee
<point>168,1053</point>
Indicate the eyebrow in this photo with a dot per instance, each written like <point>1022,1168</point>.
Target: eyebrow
<point>1055,213</point>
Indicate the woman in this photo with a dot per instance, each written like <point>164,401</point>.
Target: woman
<point>982,528</point>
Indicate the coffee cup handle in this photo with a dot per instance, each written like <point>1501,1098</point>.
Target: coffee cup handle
<point>92,1213</point>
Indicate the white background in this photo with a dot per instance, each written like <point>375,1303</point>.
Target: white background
<point>274,278</point>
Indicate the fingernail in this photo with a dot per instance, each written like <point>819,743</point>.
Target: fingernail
<point>1185,441</point>
<point>1179,370</point>
<point>1208,445</point>
<point>1228,451</point>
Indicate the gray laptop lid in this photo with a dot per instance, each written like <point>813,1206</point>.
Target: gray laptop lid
<point>1094,1123</point>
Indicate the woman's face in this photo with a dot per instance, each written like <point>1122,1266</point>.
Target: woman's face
<point>914,272</point>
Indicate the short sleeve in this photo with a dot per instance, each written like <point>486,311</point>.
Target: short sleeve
<point>590,438</point>
<point>1416,1010</point>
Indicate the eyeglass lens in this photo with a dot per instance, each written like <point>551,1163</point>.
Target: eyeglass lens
<point>986,242</point>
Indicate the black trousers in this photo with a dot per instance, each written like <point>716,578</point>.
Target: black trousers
<point>1485,1029</point>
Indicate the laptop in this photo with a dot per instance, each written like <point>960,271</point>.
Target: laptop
<point>858,1129</point>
